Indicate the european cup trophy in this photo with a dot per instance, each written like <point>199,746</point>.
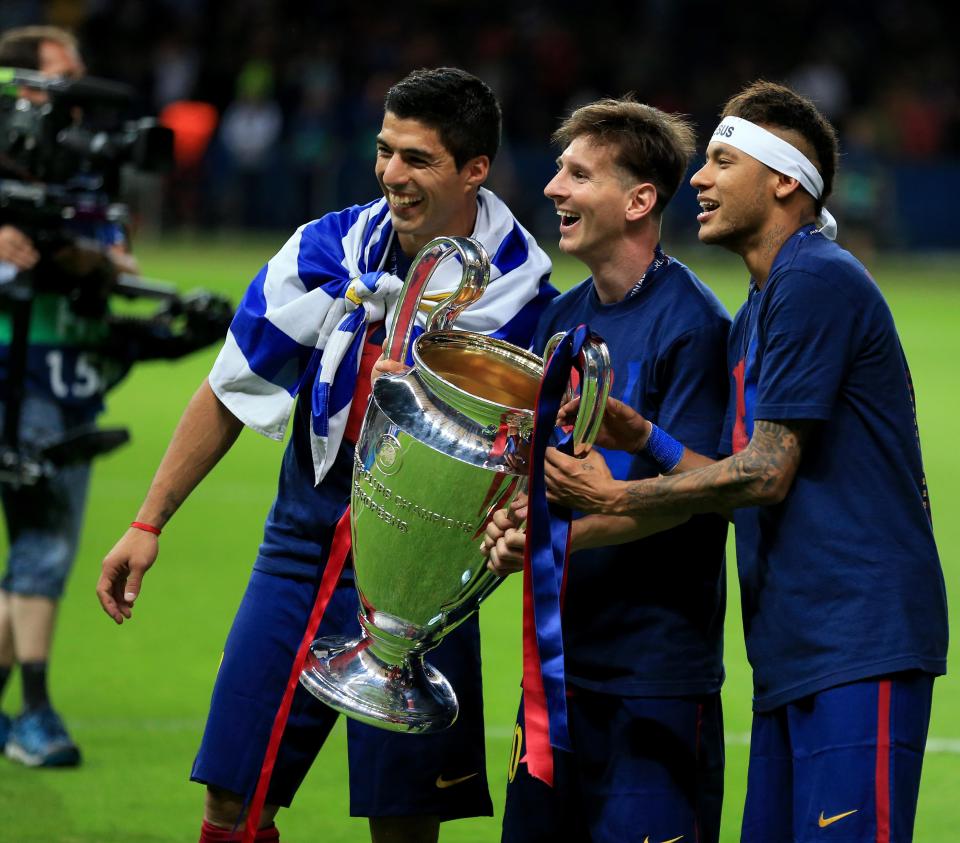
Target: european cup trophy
<point>441,448</point>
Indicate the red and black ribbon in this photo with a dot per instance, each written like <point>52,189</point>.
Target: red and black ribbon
<point>544,570</point>
<point>339,549</point>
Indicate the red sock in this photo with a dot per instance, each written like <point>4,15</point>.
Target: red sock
<point>214,834</point>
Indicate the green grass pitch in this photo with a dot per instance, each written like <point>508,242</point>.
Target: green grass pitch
<point>135,697</point>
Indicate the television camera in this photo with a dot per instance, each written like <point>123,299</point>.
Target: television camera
<point>65,148</point>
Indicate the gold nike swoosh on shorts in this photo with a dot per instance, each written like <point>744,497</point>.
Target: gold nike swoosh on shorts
<point>442,782</point>
<point>824,822</point>
<point>671,840</point>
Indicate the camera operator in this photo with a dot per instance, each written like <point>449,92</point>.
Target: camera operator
<point>75,351</point>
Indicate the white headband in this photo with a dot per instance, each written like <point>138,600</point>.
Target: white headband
<point>779,155</point>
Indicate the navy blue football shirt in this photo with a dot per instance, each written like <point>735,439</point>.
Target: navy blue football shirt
<point>646,618</point>
<point>841,581</point>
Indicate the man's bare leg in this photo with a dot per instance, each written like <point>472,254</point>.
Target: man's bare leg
<point>226,810</point>
<point>32,618</point>
<point>6,631</point>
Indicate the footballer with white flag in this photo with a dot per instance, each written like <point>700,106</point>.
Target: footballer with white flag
<point>310,327</point>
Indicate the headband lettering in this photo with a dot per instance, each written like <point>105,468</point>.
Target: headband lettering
<point>779,155</point>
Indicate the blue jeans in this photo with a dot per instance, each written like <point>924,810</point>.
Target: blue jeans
<point>44,520</point>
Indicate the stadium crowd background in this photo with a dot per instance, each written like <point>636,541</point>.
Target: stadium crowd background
<point>285,97</point>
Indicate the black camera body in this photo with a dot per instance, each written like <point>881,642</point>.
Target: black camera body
<point>65,146</point>
<point>75,132</point>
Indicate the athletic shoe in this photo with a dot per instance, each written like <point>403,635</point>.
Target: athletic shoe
<point>4,730</point>
<point>38,738</point>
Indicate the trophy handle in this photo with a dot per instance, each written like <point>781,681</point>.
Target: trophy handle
<point>595,380</point>
<point>476,274</point>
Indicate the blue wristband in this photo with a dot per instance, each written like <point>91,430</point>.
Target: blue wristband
<point>665,451</point>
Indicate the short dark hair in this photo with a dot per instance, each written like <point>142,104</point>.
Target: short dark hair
<point>650,144</point>
<point>773,105</point>
<point>21,47</point>
<point>461,108</point>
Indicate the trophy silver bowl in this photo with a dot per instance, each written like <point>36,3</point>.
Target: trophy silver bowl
<point>442,447</point>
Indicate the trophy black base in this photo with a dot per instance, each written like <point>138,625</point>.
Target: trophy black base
<point>410,697</point>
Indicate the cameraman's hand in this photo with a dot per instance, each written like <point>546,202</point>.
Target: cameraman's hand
<point>123,261</point>
<point>123,570</point>
<point>17,248</point>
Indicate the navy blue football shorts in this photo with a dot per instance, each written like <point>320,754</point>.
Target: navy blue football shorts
<point>391,774</point>
<point>641,769</point>
<point>843,764</point>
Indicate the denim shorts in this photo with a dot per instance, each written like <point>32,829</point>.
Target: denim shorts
<point>44,520</point>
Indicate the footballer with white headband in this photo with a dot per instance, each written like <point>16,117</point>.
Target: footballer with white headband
<point>844,604</point>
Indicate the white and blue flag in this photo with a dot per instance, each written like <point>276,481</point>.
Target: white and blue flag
<point>297,328</point>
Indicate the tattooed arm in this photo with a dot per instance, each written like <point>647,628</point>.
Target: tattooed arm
<point>759,475</point>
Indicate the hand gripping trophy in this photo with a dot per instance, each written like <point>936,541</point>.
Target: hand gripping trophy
<point>441,448</point>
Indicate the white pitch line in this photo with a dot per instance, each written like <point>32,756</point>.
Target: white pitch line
<point>948,745</point>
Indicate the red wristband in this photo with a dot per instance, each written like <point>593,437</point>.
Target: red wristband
<point>147,528</point>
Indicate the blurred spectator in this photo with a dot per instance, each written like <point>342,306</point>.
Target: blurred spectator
<point>300,79</point>
<point>919,120</point>
<point>822,80</point>
<point>249,133</point>
<point>176,65</point>
<point>863,193</point>
<point>193,124</point>
<point>312,148</point>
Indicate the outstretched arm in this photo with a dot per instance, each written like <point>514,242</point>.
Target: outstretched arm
<point>761,474</point>
<point>206,431</point>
